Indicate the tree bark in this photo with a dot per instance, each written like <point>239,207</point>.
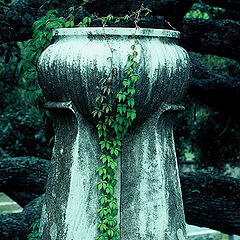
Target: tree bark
<point>212,201</point>
<point>227,4</point>
<point>16,19</point>
<point>217,37</point>
<point>21,198</point>
<point>225,14</point>
<point>23,174</point>
<point>172,11</point>
<point>217,91</point>
<point>3,154</point>
<point>16,226</point>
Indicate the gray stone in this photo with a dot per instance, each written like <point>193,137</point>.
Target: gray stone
<point>148,189</point>
<point>151,203</point>
<point>70,206</point>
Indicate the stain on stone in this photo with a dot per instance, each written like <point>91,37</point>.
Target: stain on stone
<point>180,235</point>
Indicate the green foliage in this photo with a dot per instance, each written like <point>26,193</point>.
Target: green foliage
<point>42,36</point>
<point>23,134</point>
<point>197,14</point>
<point>10,87</point>
<point>35,234</point>
<point>203,11</point>
<point>221,65</point>
<point>112,127</point>
<point>111,134</point>
<point>210,137</point>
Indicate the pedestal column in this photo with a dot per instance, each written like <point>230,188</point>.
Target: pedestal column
<point>151,201</point>
<point>70,205</point>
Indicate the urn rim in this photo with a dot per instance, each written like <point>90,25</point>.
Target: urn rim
<point>117,31</point>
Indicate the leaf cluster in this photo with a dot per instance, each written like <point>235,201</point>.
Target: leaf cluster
<point>35,234</point>
<point>112,126</point>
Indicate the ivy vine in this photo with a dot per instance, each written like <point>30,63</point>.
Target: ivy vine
<point>111,131</point>
<point>112,122</point>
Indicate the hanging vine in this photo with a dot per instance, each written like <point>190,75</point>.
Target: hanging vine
<point>111,131</point>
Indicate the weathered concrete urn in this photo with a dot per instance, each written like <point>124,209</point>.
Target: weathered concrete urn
<point>148,190</point>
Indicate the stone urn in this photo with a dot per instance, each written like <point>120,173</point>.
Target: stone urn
<point>148,190</point>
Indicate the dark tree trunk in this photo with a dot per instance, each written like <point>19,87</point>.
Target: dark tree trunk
<point>16,226</point>
<point>227,4</point>
<point>217,91</point>
<point>23,174</point>
<point>217,37</point>
<point>21,198</point>
<point>172,11</point>
<point>3,154</point>
<point>212,201</point>
<point>225,14</point>
<point>16,19</point>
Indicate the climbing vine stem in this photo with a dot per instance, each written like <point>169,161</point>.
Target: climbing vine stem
<point>111,130</point>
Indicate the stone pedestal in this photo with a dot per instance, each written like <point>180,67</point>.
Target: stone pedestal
<point>148,189</point>
<point>150,203</point>
<point>70,207</point>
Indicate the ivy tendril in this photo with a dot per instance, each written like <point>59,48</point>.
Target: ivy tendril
<point>112,128</point>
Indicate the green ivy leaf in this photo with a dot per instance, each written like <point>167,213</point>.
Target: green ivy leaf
<point>112,164</point>
<point>135,53</point>
<point>50,12</point>
<point>110,232</point>
<point>126,83</point>
<point>121,96</point>
<point>102,226</point>
<point>130,102</point>
<point>71,9</point>
<point>131,113</point>
<point>130,57</point>
<point>122,108</point>
<point>134,77</point>
<point>106,176</point>
<point>116,143</point>
<point>109,189</point>
<point>131,91</point>
<point>117,127</point>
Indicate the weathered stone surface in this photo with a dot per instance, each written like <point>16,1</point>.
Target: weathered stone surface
<point>70,206</point>
<point>70,69</point>
<point>151,201</point>
<point>149,190</point>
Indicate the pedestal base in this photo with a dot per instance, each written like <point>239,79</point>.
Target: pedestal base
<point>70,206</point>
<point>150,203</point>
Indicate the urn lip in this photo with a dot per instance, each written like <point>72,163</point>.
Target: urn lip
<point>147,32</point>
